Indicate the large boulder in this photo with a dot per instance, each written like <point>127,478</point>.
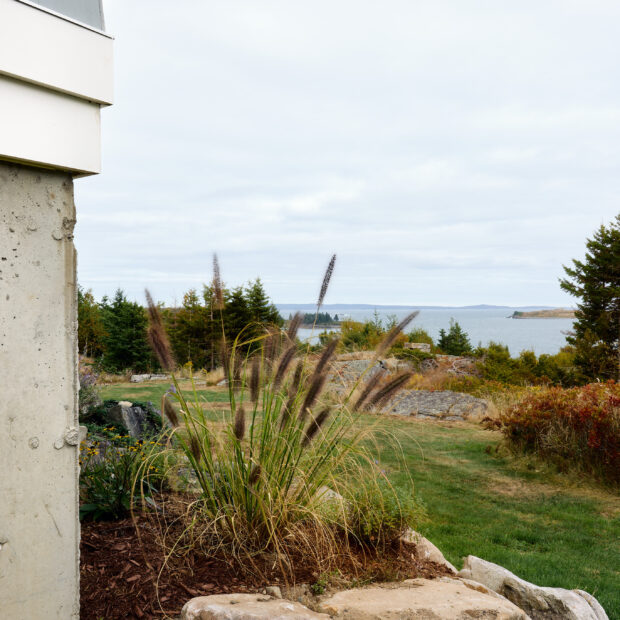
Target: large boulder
<point>134,418</point>
<point>246,607</point>
<point>540,603</point>
<point>437,599</point>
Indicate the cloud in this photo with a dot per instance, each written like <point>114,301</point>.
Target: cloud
<point>449,152</point>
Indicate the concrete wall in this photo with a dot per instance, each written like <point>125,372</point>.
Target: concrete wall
<point>39,529</point>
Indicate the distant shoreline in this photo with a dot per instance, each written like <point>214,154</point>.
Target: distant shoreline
<point>319,325</point>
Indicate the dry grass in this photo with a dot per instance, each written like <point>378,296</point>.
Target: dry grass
<point>214,377</point>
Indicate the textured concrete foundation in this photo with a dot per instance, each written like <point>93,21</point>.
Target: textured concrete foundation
<point>39,530</point>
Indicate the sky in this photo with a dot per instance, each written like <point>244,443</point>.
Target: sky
<point>450,153</point>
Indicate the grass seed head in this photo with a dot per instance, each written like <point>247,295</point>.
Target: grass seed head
<point>315,426</point>
<point>171,413</point>
<point>371,384</point>
<point>313,393</point>
<point>255,379</point>
<point>195,448</point>
<point>283,365</point>
<point>255,474</point>
<point>381,396</point>
<point>293,326</point>
<point>327,355</point>
<point>157,336</point>
<point>393,334</point>
<point>218,291</point>
<point>325,284</point>
<point>239,426</point>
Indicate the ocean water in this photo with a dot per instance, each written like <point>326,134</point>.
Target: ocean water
<point>481,325</point>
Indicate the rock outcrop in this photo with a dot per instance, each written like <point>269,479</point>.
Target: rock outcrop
<point>435,405</point>
<point>438,405</point>
<point>538,602</point>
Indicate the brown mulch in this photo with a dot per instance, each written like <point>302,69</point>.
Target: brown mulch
<point>116,580</point>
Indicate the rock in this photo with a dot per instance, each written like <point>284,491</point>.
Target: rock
<point>540,603</point>
<point>134,419</point>
<point>420,598</point>
<point>418,346</point>
<point>245,607</point>
<point>597,608</point>
<point>147,377</point>
<point>139,378</point>
<point>346,372</point>
<point>426,549</point>
<point>441,404</point>
<point>273,591</point>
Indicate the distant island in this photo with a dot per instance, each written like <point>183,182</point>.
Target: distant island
<point>553,313</point>
<point>322,319</point>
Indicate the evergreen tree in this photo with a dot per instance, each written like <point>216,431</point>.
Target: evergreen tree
<point>259,306</point>
<point>91,331</point>
<point>596,282</point>
<point>126,344</point>
<point>455,341</point>
<point>237,313</point>
<point>190,333</point>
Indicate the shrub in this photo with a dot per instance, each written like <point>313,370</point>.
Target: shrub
<point>496,364</point>
<point>575,428</point>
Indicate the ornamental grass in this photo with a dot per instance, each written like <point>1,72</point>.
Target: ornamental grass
<point>278,472</point>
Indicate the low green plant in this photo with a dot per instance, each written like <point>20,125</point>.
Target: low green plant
<point>109,468</point>
<point>379,513</point>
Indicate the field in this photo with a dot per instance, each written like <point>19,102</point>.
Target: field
<point>548,529</point>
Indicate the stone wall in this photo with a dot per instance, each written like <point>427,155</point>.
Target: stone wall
<point>39,531</point>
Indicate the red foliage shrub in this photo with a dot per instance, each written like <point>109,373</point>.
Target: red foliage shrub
<point>578,427</point>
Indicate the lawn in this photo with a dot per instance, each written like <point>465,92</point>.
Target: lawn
<point>550,530</point>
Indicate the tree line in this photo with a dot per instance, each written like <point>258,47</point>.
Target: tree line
<point>114,331</point>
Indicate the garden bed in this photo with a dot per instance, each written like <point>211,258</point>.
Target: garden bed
<point>119,573</point>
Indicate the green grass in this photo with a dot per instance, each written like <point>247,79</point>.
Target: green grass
<point>154,391</point>
<point>546,529</point>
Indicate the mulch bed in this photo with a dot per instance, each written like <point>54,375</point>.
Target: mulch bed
<point>117,582</point>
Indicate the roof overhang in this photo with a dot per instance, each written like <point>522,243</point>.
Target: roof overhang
<point>55,74</point>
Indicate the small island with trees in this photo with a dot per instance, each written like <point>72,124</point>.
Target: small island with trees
<point>551,313</point>
<point>323,319</point>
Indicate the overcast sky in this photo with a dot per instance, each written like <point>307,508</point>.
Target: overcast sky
<point>451,153</point>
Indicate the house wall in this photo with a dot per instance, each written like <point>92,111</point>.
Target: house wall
<point>39,446</point>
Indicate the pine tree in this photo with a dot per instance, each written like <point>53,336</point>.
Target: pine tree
<point>596,282</point>
<point>455,341</point>
<point>259,306</point>
<point>126,345</point>
<point>191,331</point>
